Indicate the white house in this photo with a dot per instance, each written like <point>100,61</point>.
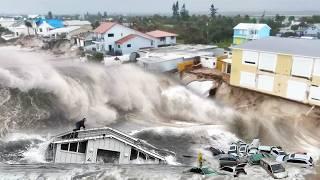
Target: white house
<point>108,33</point>
<point>20,29</point>
<point>313,31</point>
<point>6,22</point>
<point>164,38</point>
<point>44,26</point>
<point>133,43</point>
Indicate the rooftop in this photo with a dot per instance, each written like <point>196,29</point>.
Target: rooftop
<point>292,46</point>
<point>129,37</point>
<point>159,34</point>
<point>250,26</point>
<point>56,23</point>
<point>76,23</point>
<point>104,27</point>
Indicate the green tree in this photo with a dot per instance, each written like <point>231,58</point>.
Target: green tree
<point>50,16</point>
<point>96,24</point>
<point>213,11</point>
<point>29,25</point>
<point>105,14</point>
<point>184,13</point>
<point>175,9</point>
<point>291,18</point>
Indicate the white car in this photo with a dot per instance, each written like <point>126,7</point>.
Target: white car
<point>297,159</point>
<point>234,171</point>
<point>277,152</point>
<point>233,149</point>
<point>242,151</point>
<point>275,169</point>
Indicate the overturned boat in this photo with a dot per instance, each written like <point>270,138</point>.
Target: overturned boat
<point>101,145</point>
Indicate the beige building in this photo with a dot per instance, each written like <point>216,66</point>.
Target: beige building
<point>285,67</point>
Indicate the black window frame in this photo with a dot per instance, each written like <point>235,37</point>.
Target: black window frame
<point>63,145</point>
<point>129,46</point>
<point>111,35</point>
<point>73,145</point>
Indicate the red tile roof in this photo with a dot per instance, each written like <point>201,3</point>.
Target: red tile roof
<point>159,34</point>
<point>104,27</point>
<point>126,38</point>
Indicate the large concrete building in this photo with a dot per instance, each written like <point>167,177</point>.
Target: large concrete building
<point>285,67</point>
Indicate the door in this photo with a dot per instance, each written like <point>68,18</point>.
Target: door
<point>107,156</point>
<point>248,79</point>
<point>297,90</point>
<point>110,48</point>
<point>267,62</point>
<point>302,67</point>
<point>265,82</point>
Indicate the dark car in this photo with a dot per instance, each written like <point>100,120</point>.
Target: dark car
<point>228,160</point>
<point>215,151</point>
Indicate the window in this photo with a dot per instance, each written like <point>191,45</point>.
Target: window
<point>110,35</point>
<point>227,169</point>
<point>40,29</point>
<point>172,37</point>
<point>65,147</point>
<point>128,45</point>
<point>134,154</point>
<point>119,46</point>
<point>82,147</point>
<point>151,43</point>
<point>162,39</point>
<point>296,161</point>
<point>73,147</point>
<point>142,156</point>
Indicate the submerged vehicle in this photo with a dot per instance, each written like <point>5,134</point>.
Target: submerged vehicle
<point>234,171</point>
<point>228,160</point>
<point>255,158</point>
<point>277,152</point>
<point>233,149</point>
<point>253,147</point>
<point>274,168</point>
<point>101,145</point>
<point>297,159</point>
<point>204,171</point>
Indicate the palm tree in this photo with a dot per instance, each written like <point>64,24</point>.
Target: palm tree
<point>29,25</point>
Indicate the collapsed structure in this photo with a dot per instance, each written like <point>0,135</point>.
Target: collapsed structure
<point>101,145</point>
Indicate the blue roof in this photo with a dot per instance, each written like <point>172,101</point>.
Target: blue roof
<point>56,23</point>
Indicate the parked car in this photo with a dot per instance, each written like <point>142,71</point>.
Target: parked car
<point>277,152</point>
<point>265,149</point>
<point>255,158</point>
<point>297,159</point>
<point>274,168</point>
<point>242,151</point>
<point>228,160</point>
<point>234,171</point>
<point>233,149</point>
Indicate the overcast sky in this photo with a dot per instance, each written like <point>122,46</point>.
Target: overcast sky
<point>151,6</point>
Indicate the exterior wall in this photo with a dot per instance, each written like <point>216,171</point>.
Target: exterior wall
<point>284,64</point>
<point>282,77</point>
<point>208,62</point>
<point>167,41</point>
<point>68,157</point>
<point>108,144</point>
<point>136,44</point>
<point>264,32</point>
<point>163,66</point>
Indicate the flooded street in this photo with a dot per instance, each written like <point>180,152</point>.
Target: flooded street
<point>41,96</point>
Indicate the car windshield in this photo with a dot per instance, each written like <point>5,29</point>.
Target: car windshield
<point>242,148</point>
<point>282,153</point>
<point>277,168</point>
<point>232,148</point>
<point>311,160</point>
